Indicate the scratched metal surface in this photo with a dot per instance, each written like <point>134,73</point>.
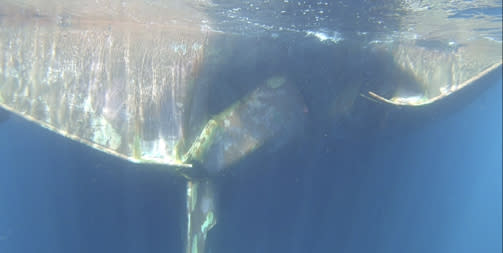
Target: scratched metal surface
<point>116,79</point>
<point>124,76</point>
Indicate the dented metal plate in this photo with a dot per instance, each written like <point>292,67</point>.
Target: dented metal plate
<point>273,111</point>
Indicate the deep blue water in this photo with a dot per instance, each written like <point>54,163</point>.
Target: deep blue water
<point>432,188</point>
<point>435,188</point>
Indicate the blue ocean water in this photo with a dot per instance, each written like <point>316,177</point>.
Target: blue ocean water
<point>431,188</point>
<point>437,188</point>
